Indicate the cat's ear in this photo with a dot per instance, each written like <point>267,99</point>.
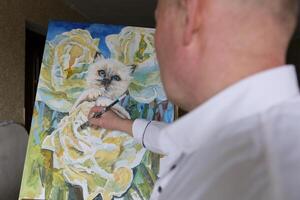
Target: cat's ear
<point>133,68</point>
<point>98,57</point>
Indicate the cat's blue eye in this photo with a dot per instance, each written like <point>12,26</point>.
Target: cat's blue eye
<point>102,73</point>
<point>115,78</point>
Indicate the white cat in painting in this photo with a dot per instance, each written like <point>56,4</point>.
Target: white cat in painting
<point>106,78</point>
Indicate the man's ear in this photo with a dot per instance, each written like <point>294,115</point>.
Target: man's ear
<point>98,56</point>
<point>193,10</point>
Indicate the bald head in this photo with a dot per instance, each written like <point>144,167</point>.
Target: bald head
<point>223,40</point>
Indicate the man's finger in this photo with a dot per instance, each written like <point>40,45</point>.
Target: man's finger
<point>94,110</point>
<point>97,109</point>
<point>94,122</point>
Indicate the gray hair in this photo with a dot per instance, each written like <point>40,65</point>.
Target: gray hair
<point>284,12</point>
<point>287,11</point>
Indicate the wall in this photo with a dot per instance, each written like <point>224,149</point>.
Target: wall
<point>13,15</point>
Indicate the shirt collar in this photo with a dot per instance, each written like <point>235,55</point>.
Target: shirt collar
<point>250,96</point>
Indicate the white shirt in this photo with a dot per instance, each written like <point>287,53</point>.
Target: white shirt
<point>243,143</point>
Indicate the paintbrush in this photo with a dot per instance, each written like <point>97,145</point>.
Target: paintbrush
<point>99,114</point>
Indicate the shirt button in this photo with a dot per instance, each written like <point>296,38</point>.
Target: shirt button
<point>173,167</point>
<point>159,189</point>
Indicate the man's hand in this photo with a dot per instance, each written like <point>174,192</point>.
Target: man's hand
<point>110,120</point>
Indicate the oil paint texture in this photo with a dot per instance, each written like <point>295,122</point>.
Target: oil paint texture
<point>86,65</point>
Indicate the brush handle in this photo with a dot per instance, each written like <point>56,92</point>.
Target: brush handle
<point>99,114</point>
<point>84,126</point>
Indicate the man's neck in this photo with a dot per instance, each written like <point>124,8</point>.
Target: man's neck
<point>228,67</point>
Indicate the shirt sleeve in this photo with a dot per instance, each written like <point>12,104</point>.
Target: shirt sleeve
<point>149,134</point>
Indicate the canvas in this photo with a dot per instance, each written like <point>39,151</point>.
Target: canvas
<point>86,65</point>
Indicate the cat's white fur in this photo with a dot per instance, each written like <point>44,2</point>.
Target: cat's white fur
<point>96,89</point>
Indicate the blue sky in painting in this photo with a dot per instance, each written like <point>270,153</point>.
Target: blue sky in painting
<point>96,30</point>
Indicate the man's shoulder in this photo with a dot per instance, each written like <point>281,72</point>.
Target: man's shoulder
<point>279,125</point>
<point>284,111</point>
<point>279,118</point>
<point>244,158</point>
<point>281,122</point>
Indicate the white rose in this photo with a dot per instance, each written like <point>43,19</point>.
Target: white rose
<point>65,63</point>
<point>135,46</point>
<point>99,161</point>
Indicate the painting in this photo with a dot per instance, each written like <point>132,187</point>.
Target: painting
<point>86,65</point>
